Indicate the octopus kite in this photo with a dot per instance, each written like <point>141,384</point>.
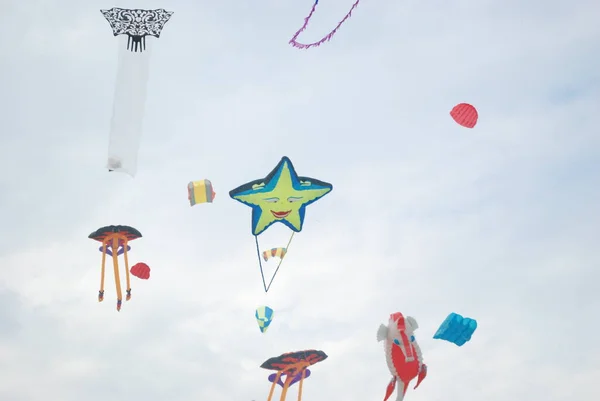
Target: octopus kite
<point>115,240</point>
<point>281,197</point>
<point>327,37</point>
<point>294,366</point>
<point>402,353</point>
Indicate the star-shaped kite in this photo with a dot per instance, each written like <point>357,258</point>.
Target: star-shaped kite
<point>281,196</point>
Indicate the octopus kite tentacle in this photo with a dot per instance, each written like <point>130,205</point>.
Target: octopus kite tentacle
<point>300,386</point>
<point>115,245</point>
<point>101,292</point>
<point>273,386</point>
<point>327,37</point>
<point>128,281</point>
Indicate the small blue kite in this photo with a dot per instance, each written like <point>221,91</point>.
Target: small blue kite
<point>456,329</point>
<point>264,316</point>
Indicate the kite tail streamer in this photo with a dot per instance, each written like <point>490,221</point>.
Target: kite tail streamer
<point>327,37</point>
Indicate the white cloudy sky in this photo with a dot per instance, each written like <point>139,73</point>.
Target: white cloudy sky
<point>498,223</point>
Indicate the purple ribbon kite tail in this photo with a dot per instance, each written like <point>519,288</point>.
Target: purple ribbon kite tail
<point>325,38</point>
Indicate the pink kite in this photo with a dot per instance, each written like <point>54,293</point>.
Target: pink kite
<point>141,270</point>
<point>327,37</point>
<point>465,115</point>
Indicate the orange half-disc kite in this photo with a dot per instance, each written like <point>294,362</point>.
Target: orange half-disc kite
<point>465,115</point>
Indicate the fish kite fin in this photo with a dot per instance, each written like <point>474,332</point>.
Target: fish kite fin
<point>412,322</point>
<point>390,389</point>
<point>382,332</point>
<point>422,374</point>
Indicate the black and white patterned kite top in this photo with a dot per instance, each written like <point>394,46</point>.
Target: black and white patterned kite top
<point>136,24</point>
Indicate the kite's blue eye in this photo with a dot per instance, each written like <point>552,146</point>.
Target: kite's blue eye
<point>396,341</point>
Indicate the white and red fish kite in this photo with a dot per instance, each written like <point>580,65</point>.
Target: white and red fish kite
<point>402,353</point>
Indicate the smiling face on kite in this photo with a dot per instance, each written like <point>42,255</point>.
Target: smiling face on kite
<point>282,196</point>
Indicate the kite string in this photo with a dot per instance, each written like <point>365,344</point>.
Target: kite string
<point>262,274</point>
<point>287,248</point>
<point>327,37</point>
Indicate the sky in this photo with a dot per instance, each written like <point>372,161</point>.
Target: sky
<point>498,223</point>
